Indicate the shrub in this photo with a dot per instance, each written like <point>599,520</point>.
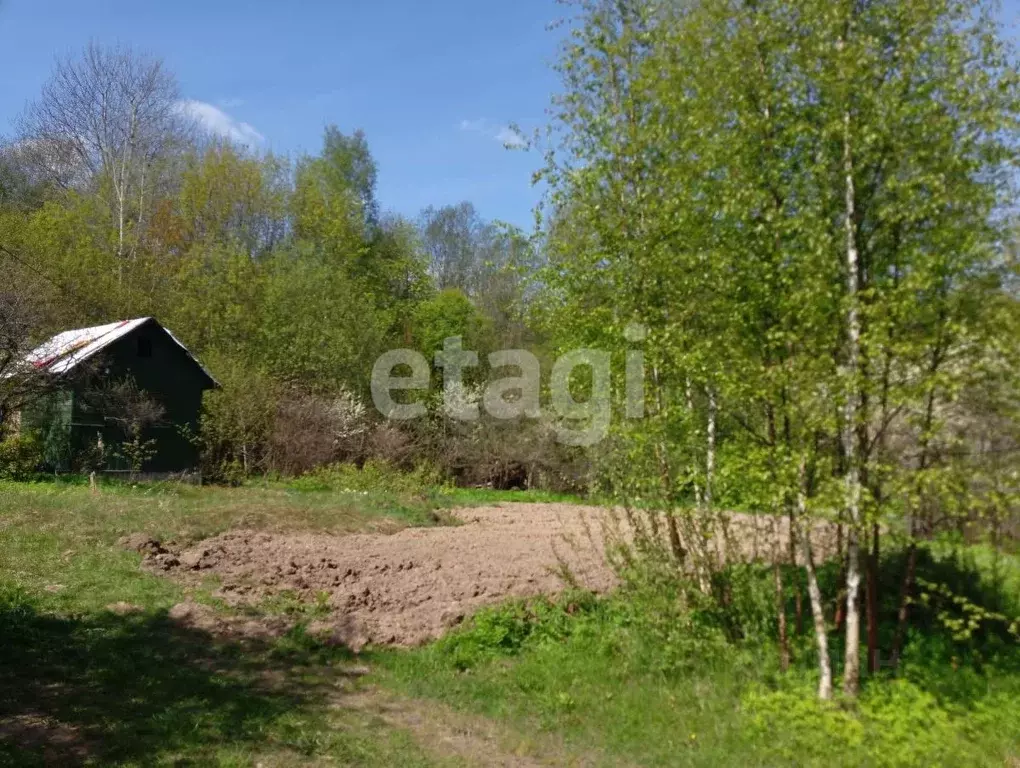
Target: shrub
<point>375,476</point>
<point>21,455</point>
<point>504,455</point>
<point>390,444</point>
<point>896,723</point>
<point>311,431</point>
<point>507,629</point>
<point>236,422</point>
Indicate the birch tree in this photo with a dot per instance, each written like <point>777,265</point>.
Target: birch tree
<point>803,201</point>
<point>105,121</point>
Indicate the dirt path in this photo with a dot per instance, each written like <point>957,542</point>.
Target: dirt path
<point>407,587</point>
<point>446,734</point>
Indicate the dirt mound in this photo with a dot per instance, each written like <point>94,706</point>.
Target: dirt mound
<point>142,543</point>
<point>410,586</point>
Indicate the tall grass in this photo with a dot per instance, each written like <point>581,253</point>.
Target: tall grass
<point>648,677</point>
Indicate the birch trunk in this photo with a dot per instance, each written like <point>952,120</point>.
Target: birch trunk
<point>814,595</point>
<point>720,517</point>
<point>696,528</point>
<point>851,675</point>
<point>666,475</point>
<point>689,393</point>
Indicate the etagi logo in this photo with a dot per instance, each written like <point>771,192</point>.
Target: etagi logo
<point>581,422</point>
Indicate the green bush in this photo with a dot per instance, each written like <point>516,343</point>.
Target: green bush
<point>895,723</point>
<point>373,477</point>
<point>508,629</point>
<point>658,673</point>
<point>21,455</point>
<point>637,632</point>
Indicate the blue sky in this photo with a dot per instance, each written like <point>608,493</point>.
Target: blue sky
<point>433,84</point>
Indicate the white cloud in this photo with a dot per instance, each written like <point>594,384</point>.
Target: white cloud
<point>504,134</point>
<point>509,137</point>
<point>218,122</point>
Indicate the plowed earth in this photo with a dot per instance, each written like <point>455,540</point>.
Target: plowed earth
<point>408,587</point>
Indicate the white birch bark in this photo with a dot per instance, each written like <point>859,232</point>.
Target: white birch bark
<point>814,593</point>
<point>851,675</point>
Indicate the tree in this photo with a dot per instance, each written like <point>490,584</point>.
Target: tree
<point>21,383</point>
<point>226,196</point>
<point>349,165</point>
<point>805,213</point>
<point>134,411</point>
<point>319,327</point>
<point>452,237</point>
<point>488,262</point>
<point>105,121</point>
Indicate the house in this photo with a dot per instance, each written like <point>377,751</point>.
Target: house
<point>138,354</point>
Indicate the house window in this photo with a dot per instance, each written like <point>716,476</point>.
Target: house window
<point>144,347</point>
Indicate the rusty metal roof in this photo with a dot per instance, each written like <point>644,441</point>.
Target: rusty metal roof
<point>71,348</point>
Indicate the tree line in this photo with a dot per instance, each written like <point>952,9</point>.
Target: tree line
<point>286,275</point>
<point>807,206</point>
<point>810,206</point>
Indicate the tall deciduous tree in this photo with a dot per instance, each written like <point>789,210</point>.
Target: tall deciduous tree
<point>105,121</point>
<point>802,203</point>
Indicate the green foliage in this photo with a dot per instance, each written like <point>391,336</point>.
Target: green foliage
<point>803,205</point>
<point>462,497</point>
<point>897,723</point>
<point>137,452</point>
<point>488,262</point>
<point>619,673</point>
<point>227,197</point>
<point>237,421</point>
<point>960,615</point>
<point>375,476</point>
<point>21,455</point>
<point>507,630</point>
<point>285,277</point>
<point>448,313</point>
<point>320,324</point>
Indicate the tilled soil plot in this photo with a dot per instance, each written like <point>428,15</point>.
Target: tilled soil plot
<point>407,587</point>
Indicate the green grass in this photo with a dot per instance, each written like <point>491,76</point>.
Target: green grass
<point>187,510</point>
<point>80,683</point>
<point>627,679</point>
<point>142,690</point>
<point>632,679</point>
<point>63,536</point>
<point>473,497</point>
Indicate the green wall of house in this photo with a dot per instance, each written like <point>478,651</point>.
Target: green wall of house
<point>70,428</point>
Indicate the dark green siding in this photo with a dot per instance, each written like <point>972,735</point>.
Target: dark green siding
<point>158,365</point>
<point>51,418</point>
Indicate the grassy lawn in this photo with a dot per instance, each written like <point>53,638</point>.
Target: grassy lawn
<point>474,497</point>
<point>634,682</point>
<point>619,680</point>
<point>82,684</point>
<point>63,537</point>
<point>100,688</point>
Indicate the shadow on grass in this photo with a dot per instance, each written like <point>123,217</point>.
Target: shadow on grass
<point>958,643</point>
<point>139,688</point>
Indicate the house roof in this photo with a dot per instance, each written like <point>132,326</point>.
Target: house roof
<point>69,349</point>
